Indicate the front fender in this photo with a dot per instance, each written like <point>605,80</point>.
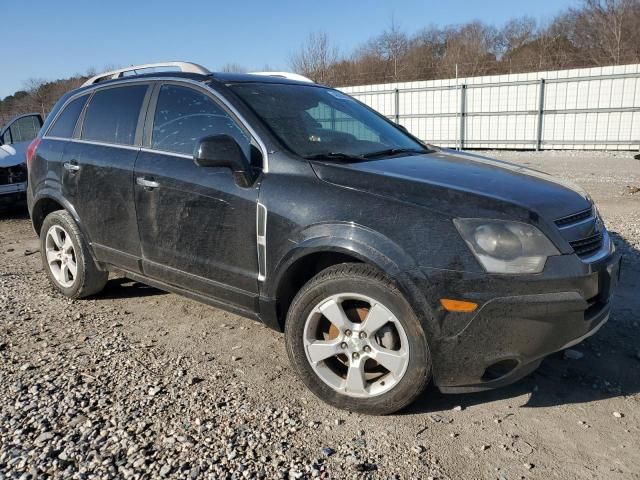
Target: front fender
<point>367,246</point>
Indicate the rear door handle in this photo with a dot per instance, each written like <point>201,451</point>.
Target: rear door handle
<point>143,182</point>
<point>71,166</point>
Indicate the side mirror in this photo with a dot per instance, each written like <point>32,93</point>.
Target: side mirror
<point>224,151</point>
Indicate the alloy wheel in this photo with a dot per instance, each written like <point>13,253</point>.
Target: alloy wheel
<point>356,345</point>
<point>61,256</point>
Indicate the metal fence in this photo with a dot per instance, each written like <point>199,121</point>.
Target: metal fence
<point>592,108</point>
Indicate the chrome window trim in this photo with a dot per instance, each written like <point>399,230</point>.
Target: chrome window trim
<point>220,98</point>
<point>92,142</point>
<point>166,152</point>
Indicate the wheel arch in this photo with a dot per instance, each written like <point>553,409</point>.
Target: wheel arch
<point>48,202</point>
<point>328,245</point>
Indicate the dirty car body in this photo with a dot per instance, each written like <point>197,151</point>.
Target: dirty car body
<point>314,189</point>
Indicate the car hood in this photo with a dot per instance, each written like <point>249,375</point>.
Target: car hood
<point>10,156</point>
<point>456,181</point>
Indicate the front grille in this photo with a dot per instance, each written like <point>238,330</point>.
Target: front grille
<point>583,230</point>
<point>586,246</point>
<point>14,174</point>
<point>575,218</point>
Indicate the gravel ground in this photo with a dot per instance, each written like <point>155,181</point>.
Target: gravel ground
<point>137,383</point>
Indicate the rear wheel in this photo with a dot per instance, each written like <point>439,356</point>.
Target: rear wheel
<point>356,342</point>
<point>67,259</point>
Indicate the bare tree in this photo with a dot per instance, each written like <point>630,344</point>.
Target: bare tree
<point>39,93</point>
<point>393,46</point>
<point>233,68</point>
<point>474,47</point>
<point>607,30</point>
<point>518,32</point>
<point>316,58</point>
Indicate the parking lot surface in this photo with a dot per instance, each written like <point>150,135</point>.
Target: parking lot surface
<point>138,383</point>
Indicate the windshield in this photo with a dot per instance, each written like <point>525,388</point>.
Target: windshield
<point>317,122</point>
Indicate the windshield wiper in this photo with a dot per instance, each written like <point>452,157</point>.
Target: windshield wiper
<point>393,151</point>
<point>333,156</point>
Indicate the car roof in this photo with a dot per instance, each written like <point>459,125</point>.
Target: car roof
<point>224,77</point>
<point>220,77</point>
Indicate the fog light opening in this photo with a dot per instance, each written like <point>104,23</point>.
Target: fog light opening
<point>499,369</point>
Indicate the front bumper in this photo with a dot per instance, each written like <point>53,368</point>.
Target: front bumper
<point>13,194</point>
<point>521,320</point>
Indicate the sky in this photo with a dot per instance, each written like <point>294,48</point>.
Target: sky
<point>51,39</point>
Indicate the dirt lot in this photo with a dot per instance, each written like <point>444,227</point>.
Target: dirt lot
<point>137,383</point>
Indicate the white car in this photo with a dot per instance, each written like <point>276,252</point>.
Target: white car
<point>14,140</point>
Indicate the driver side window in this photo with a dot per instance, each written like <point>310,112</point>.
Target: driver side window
<point>184,115</point>
<point>327,117</point>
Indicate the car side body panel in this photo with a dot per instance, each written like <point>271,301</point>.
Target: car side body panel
<point>197,221</point>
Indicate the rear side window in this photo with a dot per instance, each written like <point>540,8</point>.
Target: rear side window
<point>65,124</point>
<point>184,115</point>
<point>112,115</point>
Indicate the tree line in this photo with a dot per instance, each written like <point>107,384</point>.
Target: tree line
<point>596,33</point>
<point>38,95</point>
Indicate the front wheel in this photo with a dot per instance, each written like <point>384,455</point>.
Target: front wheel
<point>355,341</point>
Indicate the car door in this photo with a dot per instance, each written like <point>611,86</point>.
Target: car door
<point>14,139</point>
<point>19,131</point>
<point>98,171</point>
<point>197,225</point>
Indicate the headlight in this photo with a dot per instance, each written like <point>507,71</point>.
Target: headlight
<point>506,247</point>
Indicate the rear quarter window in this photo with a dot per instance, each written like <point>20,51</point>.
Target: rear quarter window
<point>65,124</point>
<point>112,115</point>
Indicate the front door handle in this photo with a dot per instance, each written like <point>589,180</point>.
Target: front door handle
<point>143,182</point>
<point>71,166</point>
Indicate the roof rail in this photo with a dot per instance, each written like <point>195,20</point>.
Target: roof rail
<point>183,66</point>
<point>289,75</point>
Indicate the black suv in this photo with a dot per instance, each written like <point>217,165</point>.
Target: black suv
<point>387,262</point>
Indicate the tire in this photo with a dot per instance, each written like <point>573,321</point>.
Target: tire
<point>352,286</point>
<point>61,241</point>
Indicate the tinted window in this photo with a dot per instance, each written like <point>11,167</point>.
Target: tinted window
<point>66,121</point>
<point>112,115</point>
<point>25,129</point>
<point>314,121</point>
<point>327,120</point>
<point>183,116</point>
